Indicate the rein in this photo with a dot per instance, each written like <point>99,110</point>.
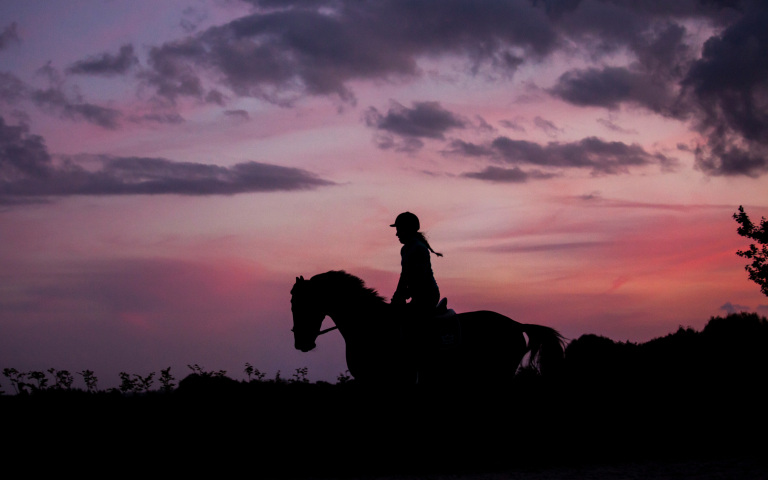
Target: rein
<point>321,332</point>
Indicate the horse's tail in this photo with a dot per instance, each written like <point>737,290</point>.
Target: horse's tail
<point>546,347</point>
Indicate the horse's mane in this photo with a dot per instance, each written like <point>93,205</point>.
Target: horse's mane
<point>341,281</point>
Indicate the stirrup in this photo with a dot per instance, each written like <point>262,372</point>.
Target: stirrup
<point>442,307</point>
<point>442,310</point>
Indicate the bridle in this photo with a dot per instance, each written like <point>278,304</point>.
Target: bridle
<point>323,332</point>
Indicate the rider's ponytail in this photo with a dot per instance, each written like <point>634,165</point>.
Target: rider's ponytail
<point>422,238</point>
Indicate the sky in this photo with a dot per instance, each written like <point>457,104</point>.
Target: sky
<point>167,169</point>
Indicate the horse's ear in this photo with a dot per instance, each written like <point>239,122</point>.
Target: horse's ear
<point>301,277</point>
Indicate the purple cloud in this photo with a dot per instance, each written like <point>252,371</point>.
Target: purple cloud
<point>106,64</point>
<point>602,157</point>
<point>8,36</point>
<point>508,175</point>
<point>29,174</point>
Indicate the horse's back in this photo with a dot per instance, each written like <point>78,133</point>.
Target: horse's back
<point>488,321</point>
<point>488,345</point>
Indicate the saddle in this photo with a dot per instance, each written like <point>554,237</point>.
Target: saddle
<point>446,327</point>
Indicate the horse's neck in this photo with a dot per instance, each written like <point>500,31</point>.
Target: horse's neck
<point>358,320</point>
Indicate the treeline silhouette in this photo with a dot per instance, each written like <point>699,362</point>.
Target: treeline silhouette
<point>689,394</point>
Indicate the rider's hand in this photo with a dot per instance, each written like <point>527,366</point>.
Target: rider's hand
<point>398,302</point>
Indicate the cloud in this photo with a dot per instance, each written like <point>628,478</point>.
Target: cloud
<point>172,118</point>
<point>547,126</point>
<point>729,87</point>
<point>424,120</point>
<point>403,128</point>
<point>12,90</point>
<point>512,125</point>
<point>609,87</point>
<point>8,36</point>
<point>285,50</point>
<point>508,175</point>
<point>238,114</point>
<point>603,157</point>
<point>171,74</point>
<point>469,149</point>
<point>612,126</point>
<point>547,247</point>
<point>723,93</point>
<point>601,27</point>
<point>23,156</point>
<point>730,308</point>
<point>192,19</point>
<point>28,173</point>
<point>106,64</point>
<point>56,101</point>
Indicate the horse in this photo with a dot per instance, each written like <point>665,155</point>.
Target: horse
<point>489,346</point>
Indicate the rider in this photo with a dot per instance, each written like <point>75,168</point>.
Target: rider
<point>417,281</point>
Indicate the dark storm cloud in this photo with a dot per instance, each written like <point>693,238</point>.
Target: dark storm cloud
<point>285,50</point>
<point>289,49</point>
<point>601,156</point>
<point>729,86</point>
<point>604,26</point>
<point>106,63</point>
<point>28,173</point>
<point>724,92</point>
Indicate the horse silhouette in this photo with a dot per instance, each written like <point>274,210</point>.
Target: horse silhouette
<point>490,347</point>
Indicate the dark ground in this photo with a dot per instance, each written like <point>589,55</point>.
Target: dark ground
<point>691,405</point>
<point>331,431</point>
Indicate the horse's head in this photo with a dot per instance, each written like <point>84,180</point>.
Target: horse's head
<point>307,316</point>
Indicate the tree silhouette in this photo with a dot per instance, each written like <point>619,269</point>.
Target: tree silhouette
<point>758,269</point>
